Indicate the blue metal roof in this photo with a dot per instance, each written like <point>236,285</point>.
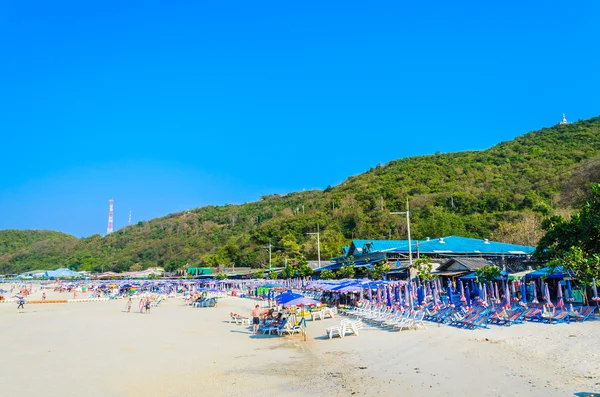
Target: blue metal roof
<point>359,247</point>
<point>445,245</point>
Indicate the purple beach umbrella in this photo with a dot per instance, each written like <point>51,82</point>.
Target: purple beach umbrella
<point>302,301</point>
<point>496,293</point>
<point>535,299</point>
<point>595,298</point>
<point>559,297</point>
<point>547,295</point>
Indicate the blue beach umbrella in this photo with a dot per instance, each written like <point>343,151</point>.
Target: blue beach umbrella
<point>388,296</point>
<point>420,295</point>
<point>406,295</point>
<point>286,297</point>
<point>523,293</point>
<point>397,293</point>
<point>569,291</point>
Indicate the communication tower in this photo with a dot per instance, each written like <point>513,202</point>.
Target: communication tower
<point>109,229</point>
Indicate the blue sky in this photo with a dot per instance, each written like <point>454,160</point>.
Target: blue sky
<point>165,106</point>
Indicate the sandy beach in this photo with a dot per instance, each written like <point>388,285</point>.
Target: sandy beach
<point>97,349</point>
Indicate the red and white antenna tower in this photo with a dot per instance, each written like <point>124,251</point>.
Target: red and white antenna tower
<point>109,229</point>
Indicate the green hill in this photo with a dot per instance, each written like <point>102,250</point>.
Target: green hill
<point>500,193</point>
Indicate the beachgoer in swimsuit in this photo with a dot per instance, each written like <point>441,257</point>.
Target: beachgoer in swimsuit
<point>21,303</point>
<point>44,296</point>
<point>255,319</point>
<point>129,303</point>
<point>148,306</point>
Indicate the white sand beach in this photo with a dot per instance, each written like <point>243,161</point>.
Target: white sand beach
<point>96,349</point>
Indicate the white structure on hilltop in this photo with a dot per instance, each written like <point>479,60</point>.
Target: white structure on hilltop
<point>564,120</point>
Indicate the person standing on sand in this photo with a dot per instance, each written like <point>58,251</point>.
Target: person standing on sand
<point>44,296</point>
<point>129,303</point>
<point>148,306</point>
<point>255,319</point>
<point>142,305</point>
<point>21,303</point>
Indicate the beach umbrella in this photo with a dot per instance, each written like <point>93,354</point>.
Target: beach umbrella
<point>569,291</point>
<point>286,297</point>
<point>559,296</point>
<point>302,301</point>
<point>468,295</point>
<point>507,297</point>
<point>484,289</point>
<point>535,299</point>
<point>462,292</point>
<point>388,296</point>
<point>491,289</point>
<point>524,293</point>
<point>497,293</point>
<point>407,295</point>
<point>397,293</point>
<point>595,298</point>
<point>513,292</point>
<point>421,295</point>
<point>436,298</point>
<point>361,294</point>
<point>369,294</point>
<point>547,295</point>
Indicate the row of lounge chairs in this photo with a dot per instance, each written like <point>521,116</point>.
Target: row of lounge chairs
<point>463,317</point>
<point>388,317</point>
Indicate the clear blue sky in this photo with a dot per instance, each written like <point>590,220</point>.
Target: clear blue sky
<point>166,106</point>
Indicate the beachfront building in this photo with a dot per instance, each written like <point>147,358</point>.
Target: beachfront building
<point>450,255</point>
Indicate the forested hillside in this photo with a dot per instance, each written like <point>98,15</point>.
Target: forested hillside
<point>500,193</point>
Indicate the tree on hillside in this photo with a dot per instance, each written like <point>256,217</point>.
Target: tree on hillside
<point>574,243</point>
<point>581,231</point>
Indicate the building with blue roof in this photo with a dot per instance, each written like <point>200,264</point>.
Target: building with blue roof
<point>365,253</point>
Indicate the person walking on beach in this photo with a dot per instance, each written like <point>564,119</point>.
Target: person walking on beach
<point>44,296</point>
<point>129,303</point>
<point>255,319</point>
<point>147,306</point>
<point>21,303</point>
<point>142,305</point>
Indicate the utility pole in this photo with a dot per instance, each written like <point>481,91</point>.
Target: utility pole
<point>318,233</point>
<point>407,212</point>
<point>269,247</point>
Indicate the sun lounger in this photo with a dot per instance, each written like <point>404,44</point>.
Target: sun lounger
<point>346,326</point>
<point>289,329</point>
<point>328,311</point>
<point>275,328</point>
<point>559,316</point>
<point>582,313</point>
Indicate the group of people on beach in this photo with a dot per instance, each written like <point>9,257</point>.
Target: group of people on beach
<point>145,304</point>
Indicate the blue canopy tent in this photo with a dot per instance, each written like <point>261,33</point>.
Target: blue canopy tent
<point>558,273</point>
